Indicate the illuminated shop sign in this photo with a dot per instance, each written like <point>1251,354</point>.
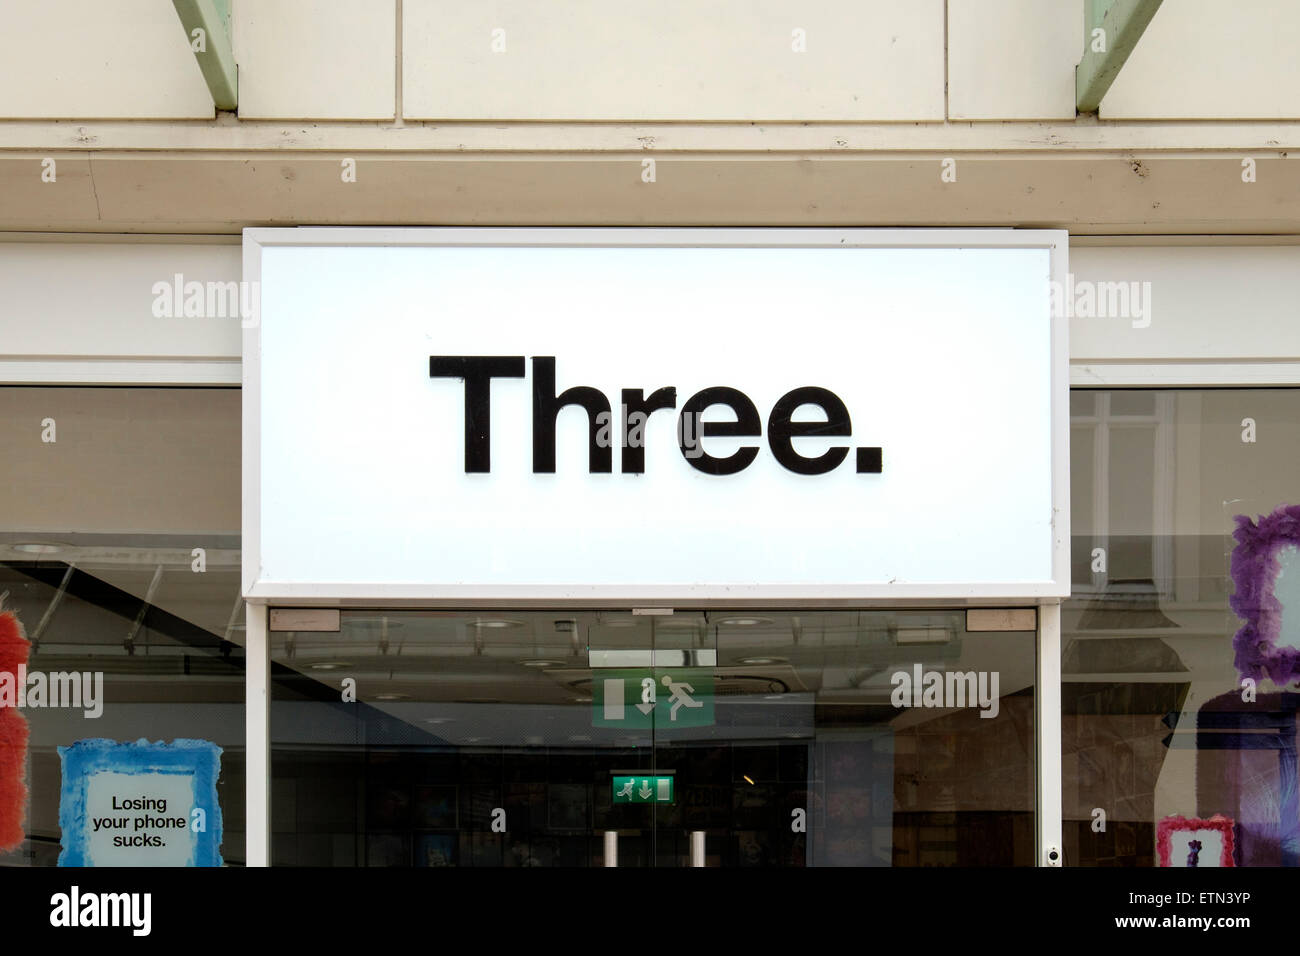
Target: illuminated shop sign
<point>655,415</point>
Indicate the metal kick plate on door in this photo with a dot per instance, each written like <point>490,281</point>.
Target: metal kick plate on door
<point>1001,619</point>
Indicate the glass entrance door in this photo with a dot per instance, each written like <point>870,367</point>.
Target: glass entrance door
<point>848,738</point>
<point>737,739</point>
<point>658,695</point>
<point>566,738</point>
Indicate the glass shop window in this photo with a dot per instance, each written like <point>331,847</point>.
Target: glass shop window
<point>121,628</point>
<point>794,738</point>
<point>1180,641</point>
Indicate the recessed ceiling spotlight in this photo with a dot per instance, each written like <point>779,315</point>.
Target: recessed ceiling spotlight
<point>744,621</point>
<point>38,547</point>
<point>763,660</point>
<point>328,665</point>
<point>392,697</point>
<point>582,700</point>
<point>540,662</point>
<point>497,623</point>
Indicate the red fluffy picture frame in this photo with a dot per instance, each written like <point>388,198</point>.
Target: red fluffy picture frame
<point>1171,825</point>
<point>13,739</point>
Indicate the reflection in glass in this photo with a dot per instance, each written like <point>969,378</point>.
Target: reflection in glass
<point>1159,731</point>
<point>119,557</point>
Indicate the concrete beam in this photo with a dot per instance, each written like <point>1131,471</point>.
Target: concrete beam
<point>812,140</point>
<point>1131,192</point>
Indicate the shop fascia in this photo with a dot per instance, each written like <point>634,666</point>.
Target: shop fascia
<point>478,371</point>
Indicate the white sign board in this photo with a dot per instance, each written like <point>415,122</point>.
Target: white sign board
<point>515,414</point>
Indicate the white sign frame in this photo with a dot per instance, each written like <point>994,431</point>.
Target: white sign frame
<point>258,590</point>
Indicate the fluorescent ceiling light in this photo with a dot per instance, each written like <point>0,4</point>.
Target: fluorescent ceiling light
<point>38,547</point>
<point>923,635</point>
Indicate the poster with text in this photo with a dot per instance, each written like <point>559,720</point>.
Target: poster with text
<point>140,804</point>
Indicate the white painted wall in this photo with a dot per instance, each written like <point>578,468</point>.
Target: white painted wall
<point>316,59</point>
<point>1208,303</point>
<point>1013,59</point>
<point>86,307</point>
<point>1200,59</point>
<point>76,59</point>
<point>673,60</point>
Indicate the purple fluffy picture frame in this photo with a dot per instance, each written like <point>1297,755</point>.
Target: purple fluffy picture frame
<point>1254,572</point>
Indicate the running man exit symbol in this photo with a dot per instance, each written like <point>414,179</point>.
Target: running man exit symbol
<point>681,696</point>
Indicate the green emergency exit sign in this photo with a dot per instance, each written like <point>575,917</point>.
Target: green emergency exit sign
<point>646,789</point>
<point>659,699</point>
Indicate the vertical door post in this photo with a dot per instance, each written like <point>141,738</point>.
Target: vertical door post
<point>1051,851</point>
<point>257,738</point>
